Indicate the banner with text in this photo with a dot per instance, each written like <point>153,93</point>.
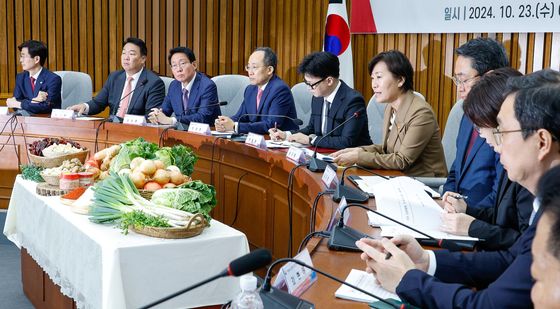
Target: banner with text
<point>454,16</point>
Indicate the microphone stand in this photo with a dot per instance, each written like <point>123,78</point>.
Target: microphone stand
<point>273,299</point>
<point>352,195</point>
<point>317,165</point>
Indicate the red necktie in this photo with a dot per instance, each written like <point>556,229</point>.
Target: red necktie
<point>32,84</point>
<point>259,96</point>
<point>474,135</point>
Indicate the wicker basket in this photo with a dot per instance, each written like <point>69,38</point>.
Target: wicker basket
<point>57,161</point>
<point>146,194</point>
<point>195,227</point>
<point>51,180</point>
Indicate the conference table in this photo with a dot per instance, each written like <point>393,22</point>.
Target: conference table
<point>252,194</point>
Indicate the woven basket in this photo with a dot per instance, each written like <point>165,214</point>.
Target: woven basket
<point>146,194</point>
<point>51,180</point>
<point>57,161</point>
<point>195,227</point>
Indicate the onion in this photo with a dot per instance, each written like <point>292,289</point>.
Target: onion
<point>169,185</point>
<point>161,176</point>
<point>136,162</point>
<point>173,168</point>
<point>124,171</point>
<point>176,177</point>
<point>138,178</point>
<point>159,164</point>
<point>148,167</point>
<point>152,186</point>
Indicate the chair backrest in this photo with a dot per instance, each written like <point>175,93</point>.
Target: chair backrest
<point>231,89</point>
<point>375,112</point>
<point>76,87</point>
<point>166,81</point>
<point>449,138</point>
<point>302,99</point>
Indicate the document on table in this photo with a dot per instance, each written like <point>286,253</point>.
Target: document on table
<point>309,152</point>
<point>405,200</point>
<point>226,134</point>
<point>366,282</point>
<point>282,144</point>
<point>86,118</point>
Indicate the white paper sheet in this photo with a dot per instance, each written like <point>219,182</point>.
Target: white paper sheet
<point>366,282</point>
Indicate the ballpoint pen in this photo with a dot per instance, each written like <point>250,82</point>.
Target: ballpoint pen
<point>460,196</point>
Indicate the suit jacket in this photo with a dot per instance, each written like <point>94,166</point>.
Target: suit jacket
<point>413,145</point>
<point>143,99</point>
<point>276,99</point>
<point>501,224</point>
<point>476,175</point>
<point>203,93</point>
<point>48,82</point>
<point>347,101</point>
<point>502,278</point>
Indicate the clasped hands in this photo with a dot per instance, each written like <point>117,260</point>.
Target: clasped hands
<point>279,135</point>
<point>157,116</point>
<point>406,254</point>
<point>14,103</point>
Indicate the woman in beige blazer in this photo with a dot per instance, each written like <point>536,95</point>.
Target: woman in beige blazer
<point>411,136</point>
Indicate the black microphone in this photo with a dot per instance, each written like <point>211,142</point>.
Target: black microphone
<point>344,237</point>
<point>296,121</point>
<point>116,118</point>
<point>221,103</point>
<point>316,165</point>
<point>352,195</point>
<point>274,298</point>
<point>240,266</point>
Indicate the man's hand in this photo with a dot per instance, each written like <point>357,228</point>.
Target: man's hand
<point>346,157</point>
<point>41,97</point>
<point>157,116</point>
<point>13,103</point>
<point>453,205</point>
<point>276,134</point>
<point>78,108</point>
<point>456,223</point>
<point>299,138</point>
<point>224,123</point>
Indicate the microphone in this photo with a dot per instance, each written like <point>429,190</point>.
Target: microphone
<point>274,298</point>
<point>116,118</point>
<point>352,195</point>
<point>316,165</point>
<point>183,127</point>
<point>344,238</point>
<point>296,121</point>
<point>240,266</point>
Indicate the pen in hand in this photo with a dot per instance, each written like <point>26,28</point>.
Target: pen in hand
<point>459,196</point>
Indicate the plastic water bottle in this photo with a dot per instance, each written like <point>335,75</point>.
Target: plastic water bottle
<point>249,298</point>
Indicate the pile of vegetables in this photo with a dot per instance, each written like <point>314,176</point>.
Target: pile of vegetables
<point>117,199</point>
<point>194,197</point>
<point>152,175</point>
<point>31,172</point>
<point>36,148</point>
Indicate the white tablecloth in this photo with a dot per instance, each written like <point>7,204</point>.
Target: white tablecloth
<point>99,267</point>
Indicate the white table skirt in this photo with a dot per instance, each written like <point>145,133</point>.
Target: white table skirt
<point>99,267</point>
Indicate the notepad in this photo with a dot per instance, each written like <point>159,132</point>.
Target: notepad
<point>366,282</point>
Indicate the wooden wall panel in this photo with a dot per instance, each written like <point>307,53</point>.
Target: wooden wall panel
<point>87,35</point>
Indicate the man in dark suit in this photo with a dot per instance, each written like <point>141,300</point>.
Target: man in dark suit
<point>37,89</point>
<point>266,95</point>
<point>333,103</point>
<point>527,139</point>
<point>134,90</point>
<point>192,96</point>
<point>473,172</point>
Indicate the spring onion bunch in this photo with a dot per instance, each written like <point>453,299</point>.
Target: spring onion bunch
<point>117,195</point>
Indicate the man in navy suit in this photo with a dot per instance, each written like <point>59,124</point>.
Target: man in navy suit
<point>192,96</point>
<point>133,90</point>
<point>333,103</point>
<point>266,95</point>
<point>473,172</point>
<point>37,89</point>
<point>527,139</point>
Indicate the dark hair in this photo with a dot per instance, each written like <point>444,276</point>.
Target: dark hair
<point>138,42</point>
<point>398,64</point>
<point>184,50</point>
<point>537,101</point>
<point>548,194</point>
<point>35,48</point>
<point>486,54</point>
<point>320,64</point>
<point>486,97</point>
<point>270,59</point>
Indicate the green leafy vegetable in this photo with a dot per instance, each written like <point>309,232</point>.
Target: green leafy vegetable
<point>165,155</point>
<point>31,172</point>
<point>141,148</point>
<point>122,160</point>
<point>184,158</point>
<point>139,219</point>
<point>194,197</point>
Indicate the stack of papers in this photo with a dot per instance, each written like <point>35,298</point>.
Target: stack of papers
<point>282,144</point>
<point>366,282</point>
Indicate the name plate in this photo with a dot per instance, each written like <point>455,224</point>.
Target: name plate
<point>4,110</point>
<point>135,120</point>
<point>296,155</point>
<point>199,128</point>
<point>329,177</point>
<point>63,114</point>
<point>256,140</point>
<point>294,277</point>
<point>338,212</point>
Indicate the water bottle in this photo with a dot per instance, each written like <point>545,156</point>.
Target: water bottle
<point>249,298</point>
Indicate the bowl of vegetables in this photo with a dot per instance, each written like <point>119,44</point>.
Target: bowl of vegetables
<point>52,152</point>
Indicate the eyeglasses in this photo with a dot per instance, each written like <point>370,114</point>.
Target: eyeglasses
<point>181,65</point>
<point>498,135</point>
<point>460,83</point>
<point>252,68</point>
<point>312,86</point>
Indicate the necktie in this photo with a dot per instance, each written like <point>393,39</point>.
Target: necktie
<point>474,135</point>
<point>32,84</point>
<point>185,99</point>
<point>123,107</point>
<point>326,108</point>
<point>259,96</point>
